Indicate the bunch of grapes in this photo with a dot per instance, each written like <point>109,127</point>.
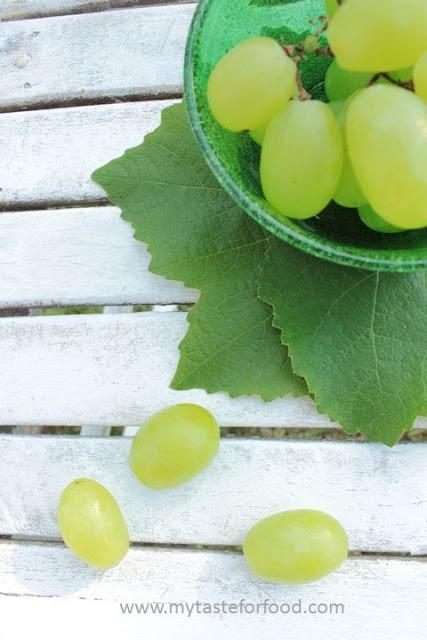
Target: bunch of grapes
<point>366,148</point>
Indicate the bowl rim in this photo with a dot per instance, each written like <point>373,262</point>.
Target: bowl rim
<point>305,240</point>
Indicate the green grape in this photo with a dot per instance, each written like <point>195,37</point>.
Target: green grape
<point>250,84</point>
<point>420,76</point>
<point>296,547</point>
<point>332,7</point>
<point>92,524</point>
<point>174,445</point>
<point>348,193</point>
<point>386,137</point>
<point>379,35</point>
<point>375,222</point>
<point>336,107</point>
<point>301,159</point>
<point>341,84</point>
<point>258,135</point>
<point>402,75</point>
<point>311,43</point>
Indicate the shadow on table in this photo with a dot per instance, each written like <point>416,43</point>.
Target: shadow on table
<point>49,569</point>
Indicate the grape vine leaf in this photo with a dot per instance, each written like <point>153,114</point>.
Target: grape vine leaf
<point>359,338</point>
<point>197,235</point>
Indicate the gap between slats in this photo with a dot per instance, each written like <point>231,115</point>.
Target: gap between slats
<point>120,368</point>
<point>63,147</point>
<point>29,9</point>
<point>81,256</point>
<point>127,52</point>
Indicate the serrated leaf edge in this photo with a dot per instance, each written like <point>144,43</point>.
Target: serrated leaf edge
<point>298,371</point>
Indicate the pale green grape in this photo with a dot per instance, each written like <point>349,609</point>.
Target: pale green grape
<point>379,35</point>
<point>250,84</point>
<point>301,159</point>
<point>92,524</point>
<point>420,76</point>
<point>375,222</point>
<point>336,107</point>
<point>174,445</point>
<point>348,193</point>
<point>387,142</point>
<point>258,135</point>
<point>311,43</point>
<point>341,84</point>
<point>332,7</point>
<point>296,547</point>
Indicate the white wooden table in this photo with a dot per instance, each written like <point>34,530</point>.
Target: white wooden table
<point>78,85</point>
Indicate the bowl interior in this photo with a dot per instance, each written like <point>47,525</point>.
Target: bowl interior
<point>337,233</point>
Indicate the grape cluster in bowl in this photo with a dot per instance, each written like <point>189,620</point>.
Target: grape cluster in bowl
<point>367,148</point>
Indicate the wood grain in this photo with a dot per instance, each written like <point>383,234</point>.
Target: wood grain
<point>16,9</point>
<point>378,494</point>
<point>50,154</point>
<point>77,256</point>
<point>384,599</point>
<point>93,56</point>
<point>113,370</point>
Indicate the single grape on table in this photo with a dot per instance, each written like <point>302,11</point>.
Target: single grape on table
<point>92,524</point>
<point>174,445</point>
<point>296,547</point>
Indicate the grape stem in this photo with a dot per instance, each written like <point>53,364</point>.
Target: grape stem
<point>325,51</point>
<point>303,94</point>
<point>409,85</point>
<point>296,53</point>
<point>324,20</point>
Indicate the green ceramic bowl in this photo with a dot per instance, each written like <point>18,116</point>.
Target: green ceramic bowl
<point>337,233</point>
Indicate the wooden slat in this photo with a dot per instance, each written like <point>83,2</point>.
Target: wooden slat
<point>50,155</point>
<point>129,52</point>
<point>113,370</point>
<point>77,256</point>
<point>384,599</point>
<point>15,9</point>
<point>379,494</point>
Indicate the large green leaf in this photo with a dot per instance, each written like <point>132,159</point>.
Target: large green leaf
<point>197,235</point>
<point>359,338</point>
